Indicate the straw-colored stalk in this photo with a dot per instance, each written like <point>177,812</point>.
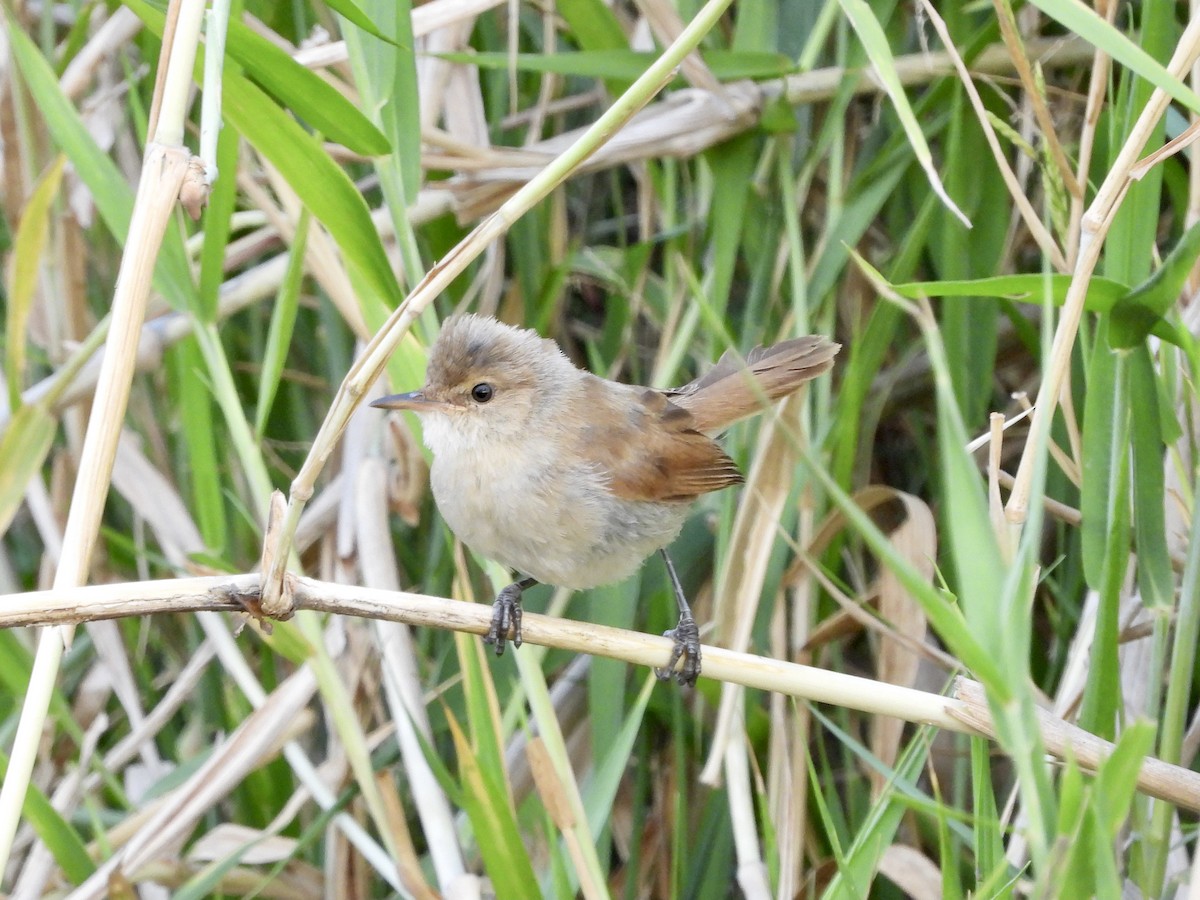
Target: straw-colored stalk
<point>965,712</point>
<point>163,172</point>
<point>1095,224</point>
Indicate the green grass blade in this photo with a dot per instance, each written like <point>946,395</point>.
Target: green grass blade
<point>200,443</point>
<point>305,93</point>
<point>1103,293</point>
<point>593,25</point>
<point>23,448</point>
<point>283,320</point>
<point>63,841</point>
<point>493,820</point>
<point>1082,20</point>
<point>1155,578</point>
<point>222,201</point>
<point>875,43</point>
<point>29,243</point>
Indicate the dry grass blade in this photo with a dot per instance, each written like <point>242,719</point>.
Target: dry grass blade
<point>753,537</point>
<point>912,871</point>
<point>1030,217</point>
<point>257,738</point>
<point>915,539</point>
<point>1096,222</point>
<point>162,176</point>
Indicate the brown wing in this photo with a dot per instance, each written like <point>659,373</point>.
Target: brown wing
<point>653,451</point>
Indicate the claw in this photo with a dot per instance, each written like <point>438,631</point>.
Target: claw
<point>506,614</point>
<point>686,636</point>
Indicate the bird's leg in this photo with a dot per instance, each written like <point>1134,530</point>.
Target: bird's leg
<point>506,613</point>
<point>686,636</point>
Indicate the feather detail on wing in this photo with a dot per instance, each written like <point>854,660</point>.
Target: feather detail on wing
<point>652,451</point>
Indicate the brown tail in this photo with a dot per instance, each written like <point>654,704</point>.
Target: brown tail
<point>734,389</point>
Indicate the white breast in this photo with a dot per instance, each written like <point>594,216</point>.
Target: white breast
<point>524,508</point>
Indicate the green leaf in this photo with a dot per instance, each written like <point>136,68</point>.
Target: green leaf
<point>1083,21</point>
<point>989,844</point>
<point>1116,782</point>
<point>63,841</point>
<point>23,449</point>
<point>877,831</point>
<point>1102,296</point>
<point>109,189</point>
<point>322,185</point>
<point>218,217</point>
<point>283,320</point>
<point>1104,506</point>
<point>593,24</point>
<point>205,447</point>
<point>304,92</point>
<point>1136,314</point>
<point>1100,421</point>
<point>487,804</point>
<point>29,243</point>
<point>735,160</point>
<point>1155,578</point>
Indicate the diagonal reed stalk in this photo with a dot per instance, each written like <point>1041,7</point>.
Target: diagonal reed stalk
<point>163,172</point>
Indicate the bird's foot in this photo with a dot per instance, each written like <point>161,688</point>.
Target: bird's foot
<point>506,614</point>
<point>687,647</point>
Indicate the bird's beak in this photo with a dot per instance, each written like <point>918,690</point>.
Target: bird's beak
<point>413,400</point>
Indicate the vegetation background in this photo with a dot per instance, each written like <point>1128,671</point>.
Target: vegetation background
<point>960,203</point>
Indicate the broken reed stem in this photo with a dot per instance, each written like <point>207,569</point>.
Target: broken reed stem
<point>965,712</point>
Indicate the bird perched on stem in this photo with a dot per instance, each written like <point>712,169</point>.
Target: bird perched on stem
<point>573,480</point>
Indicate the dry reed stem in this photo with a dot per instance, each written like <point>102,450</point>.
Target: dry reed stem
<point>403,689</point>
<point>1045,119</point>
<point>966,712</point>
<point>163,171</point>
<point>1168,782</point>
<point>1095,224</point>
<point>162,176</point>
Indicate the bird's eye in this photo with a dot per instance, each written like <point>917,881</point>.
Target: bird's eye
<point>482,392</point>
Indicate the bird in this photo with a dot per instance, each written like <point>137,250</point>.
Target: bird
<point>573,480</point>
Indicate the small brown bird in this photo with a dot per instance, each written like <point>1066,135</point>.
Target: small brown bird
<point>571,479</point>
